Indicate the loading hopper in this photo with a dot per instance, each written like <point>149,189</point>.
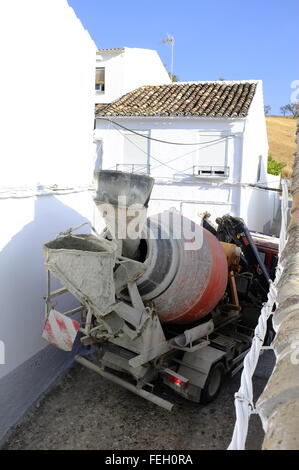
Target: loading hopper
<point>84,265</point>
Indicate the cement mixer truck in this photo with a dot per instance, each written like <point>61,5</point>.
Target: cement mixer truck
<point>161,299</point>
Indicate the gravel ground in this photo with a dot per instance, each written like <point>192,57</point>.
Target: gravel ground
<point>85,411</point>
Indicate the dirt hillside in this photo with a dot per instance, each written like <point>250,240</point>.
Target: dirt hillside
<point>281,137</point>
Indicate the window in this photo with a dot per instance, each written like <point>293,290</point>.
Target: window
<point>212,155</point>
<point>211,171</point>
<point>100,79</point>
<point>136,152</point>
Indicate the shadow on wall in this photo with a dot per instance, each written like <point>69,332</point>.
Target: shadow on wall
<point>263,206</point>
<point>277,219</point>
<point>31,364</point>
<point>23,277</point>
<point>262,209</point>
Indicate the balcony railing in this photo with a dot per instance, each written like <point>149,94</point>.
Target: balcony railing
<point>134,168</point>
<point>211,171</point>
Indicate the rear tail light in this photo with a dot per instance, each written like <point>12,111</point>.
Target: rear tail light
<point>175,378</point>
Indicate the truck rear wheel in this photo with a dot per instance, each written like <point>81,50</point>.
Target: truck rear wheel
<point>213,383</point>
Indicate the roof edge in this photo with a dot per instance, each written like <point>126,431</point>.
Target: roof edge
<point>115,50</point>
<point>171,117</point>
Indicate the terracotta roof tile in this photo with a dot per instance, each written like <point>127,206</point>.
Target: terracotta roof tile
<point>211,99</point>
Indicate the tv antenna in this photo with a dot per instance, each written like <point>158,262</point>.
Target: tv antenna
<point>170,40</point>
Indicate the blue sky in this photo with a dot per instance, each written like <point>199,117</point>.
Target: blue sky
<point>234,39</point>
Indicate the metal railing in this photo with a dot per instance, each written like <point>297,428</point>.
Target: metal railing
<point>134,168</point>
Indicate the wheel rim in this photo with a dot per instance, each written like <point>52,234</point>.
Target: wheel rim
<point>214,382</point>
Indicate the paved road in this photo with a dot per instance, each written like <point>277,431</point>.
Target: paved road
<point>85,411</point>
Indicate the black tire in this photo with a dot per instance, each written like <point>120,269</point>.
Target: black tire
<point>213,383</point>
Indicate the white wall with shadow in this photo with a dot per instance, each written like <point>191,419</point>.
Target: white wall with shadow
<point>259,208</point>
<point>22,271</point>
<point>31,364</point>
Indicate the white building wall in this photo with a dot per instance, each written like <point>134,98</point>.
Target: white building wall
<point>114,76</point>
<point>176,159</point>
<point>172,165</point>
<point>46,116</point>
<point>255,150</point>
<point>31,222</point>
<point>257,206</point>
<point>129,69</point>
<point>143,67</point>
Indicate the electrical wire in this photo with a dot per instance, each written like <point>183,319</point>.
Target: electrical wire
<point>184,155</point>
<point>165,163</point>
<point>165,141</point>
<point>152,157</point>
<point>183,172</point>
<point>267,182</point>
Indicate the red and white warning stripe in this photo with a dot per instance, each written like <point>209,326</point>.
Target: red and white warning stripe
<point>60,330</point>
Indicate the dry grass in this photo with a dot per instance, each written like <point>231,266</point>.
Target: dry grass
<point>281,137</point>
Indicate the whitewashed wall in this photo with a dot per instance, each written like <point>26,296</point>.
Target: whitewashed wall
<point>127,70</point>
<point>114,76</point>
<point>244,152</point>
<point>46,116</point>
<point>260,208</point>
<point>255,146</point>
<point>176,159</point>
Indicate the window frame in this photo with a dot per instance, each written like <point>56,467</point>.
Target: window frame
<point>127,134</point>
<point>101,84</point>
<point>217,171</point>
